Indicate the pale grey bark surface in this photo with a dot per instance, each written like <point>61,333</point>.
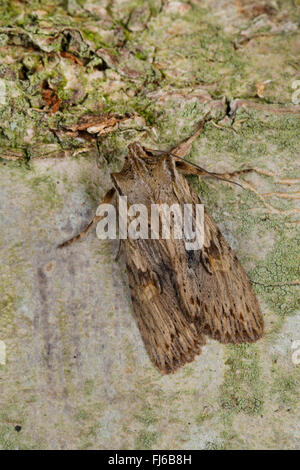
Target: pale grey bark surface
<point>76,374</point>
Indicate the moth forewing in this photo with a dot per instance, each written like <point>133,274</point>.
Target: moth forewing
<point>179,294</point>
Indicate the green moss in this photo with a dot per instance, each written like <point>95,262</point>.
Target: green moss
<point>203,416</point>
<point>96,39</point>
<point>214,445</point>
<point>147,415</point>
<point>82,415</point>
<point>279,268</point>
<point>11,267</point>
<point>86,445</point>
<point>285,389</point>
<point>10,11</point>
<point>228,440</point>
<point>7,308</point>
<point>46,189</point>
<point>242,390</point>
<point>146,440</point>
<point>88,386</point>
<point>188,371</point>
<point>10,439</point>
<point>231,440</point>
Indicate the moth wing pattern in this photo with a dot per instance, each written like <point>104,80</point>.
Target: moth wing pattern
<point>219,292</point>
<point>230,311</point>
<point>171,338</point>
<point>181,296</point>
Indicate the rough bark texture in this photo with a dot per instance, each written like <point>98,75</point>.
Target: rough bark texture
<point>79,81</point>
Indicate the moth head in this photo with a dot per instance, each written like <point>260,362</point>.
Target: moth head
<point>144,156</point>
<point>136,151</point>
<point>140,159</point>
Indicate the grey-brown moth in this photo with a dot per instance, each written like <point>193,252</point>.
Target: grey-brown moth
<point>179,296</point>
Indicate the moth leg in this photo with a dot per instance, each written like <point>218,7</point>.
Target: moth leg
<point>234,173</point>
<point>107,198</point>
<point>184,147</point>
<point>188,169</point>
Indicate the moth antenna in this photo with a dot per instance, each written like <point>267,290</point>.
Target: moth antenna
<point>210,173</point>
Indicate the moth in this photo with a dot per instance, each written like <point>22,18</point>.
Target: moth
<point>180,297</point>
